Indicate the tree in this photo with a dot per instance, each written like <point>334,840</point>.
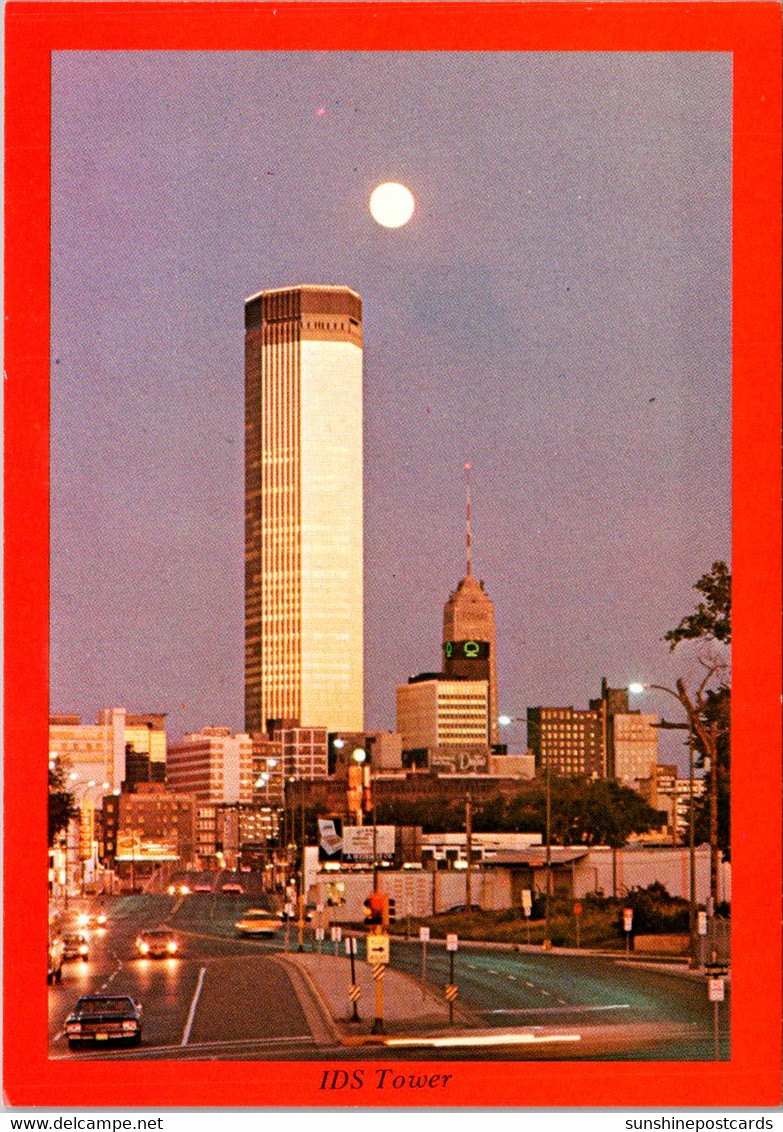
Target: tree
<point>708,706</point>
<point>61,805</point>
<point>712,619</point>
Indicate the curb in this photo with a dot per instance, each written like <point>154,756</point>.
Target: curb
<point>309,988</point>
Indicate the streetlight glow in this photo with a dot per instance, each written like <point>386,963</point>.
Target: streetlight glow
<point>359,755</point>
<point>636,688</point>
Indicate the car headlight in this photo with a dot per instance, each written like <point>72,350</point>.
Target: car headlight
<point>130,1026</point>
<point>171,890</point>
<point>83,921</point>
<point>171,947</point>
<point>101,919</point>
<point>83,949</point>
<point>184,890</point>
<point>144,947</point>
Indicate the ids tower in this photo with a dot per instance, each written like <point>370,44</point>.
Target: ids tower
<point>303,508</point>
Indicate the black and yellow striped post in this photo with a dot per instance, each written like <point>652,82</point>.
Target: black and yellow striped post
<point>378,971</point>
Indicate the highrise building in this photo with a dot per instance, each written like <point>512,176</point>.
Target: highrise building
<point>303,508</point>
<point>469,634</point>
<point>213,765</point>
<point>568,740</point>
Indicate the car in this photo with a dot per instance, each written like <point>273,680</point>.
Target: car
<point>179,890</point>
<point>99,1018</point>
<point>56,949</point>
<point>75,946</point>
<point>232,889</point>
<point>202,887</point>
<point>258,922</point>
<point>157,943</point>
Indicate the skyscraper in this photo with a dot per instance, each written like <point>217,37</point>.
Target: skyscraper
<point>469,633</point>
<point>303,508</point>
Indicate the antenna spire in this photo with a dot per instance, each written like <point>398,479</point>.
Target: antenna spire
<point>467,500</point>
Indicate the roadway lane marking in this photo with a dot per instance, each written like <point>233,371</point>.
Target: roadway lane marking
<point>546,992</point>
<point>513,977</point>
<point>527,984</point>
<point>554,1009</point>
<point>483,1040</point>
<point>193,1005</point>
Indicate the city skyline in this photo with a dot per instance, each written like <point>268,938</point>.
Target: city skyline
<point>582,364</point>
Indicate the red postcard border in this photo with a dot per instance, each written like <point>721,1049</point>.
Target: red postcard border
<point>752,33</point>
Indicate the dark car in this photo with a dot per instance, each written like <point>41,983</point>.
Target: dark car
<point>75,946</point>
<point>100,1018</point>
<point>157,943</point>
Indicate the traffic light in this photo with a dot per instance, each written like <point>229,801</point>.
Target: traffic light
<point>391,909</point>
<point>376,909</point>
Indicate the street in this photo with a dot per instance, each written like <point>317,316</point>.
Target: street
<point>234,999</point>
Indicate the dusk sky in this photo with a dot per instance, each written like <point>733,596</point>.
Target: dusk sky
<point>557,312</point>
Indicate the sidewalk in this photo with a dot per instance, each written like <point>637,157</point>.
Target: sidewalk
<point>406,1010</point>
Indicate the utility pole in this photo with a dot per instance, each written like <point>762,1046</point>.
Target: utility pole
<point>547,934</point>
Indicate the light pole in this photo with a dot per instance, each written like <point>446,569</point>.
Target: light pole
<point>504,721</point>
<point>359,756</point>
<point>638,689</point>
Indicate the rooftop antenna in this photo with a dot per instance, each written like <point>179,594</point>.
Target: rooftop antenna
<point>467,477</point>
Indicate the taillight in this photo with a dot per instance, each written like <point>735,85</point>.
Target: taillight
<point>171,947</point>
<point>144,948</point>
<point>129,1027</point>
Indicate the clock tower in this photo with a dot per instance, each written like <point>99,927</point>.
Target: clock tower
<point>469,633</point>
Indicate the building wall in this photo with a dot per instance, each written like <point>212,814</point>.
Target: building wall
<point>469,614</point>
<point>635,746</point>
<point>96,751</point>
<point>443,713</point>
<point>303,508</point>
<point>569,738</point>
<point>213,765</point>
<point>305,752</point>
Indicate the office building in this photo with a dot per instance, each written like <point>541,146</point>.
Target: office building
<point>469,639</point>
<point>213,765</point>
<point>98,756</point>
<point>303,508</point>
<point>435,712</point>
<point>570,741</point>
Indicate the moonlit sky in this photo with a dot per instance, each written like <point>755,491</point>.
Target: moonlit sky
<point>557,312</point>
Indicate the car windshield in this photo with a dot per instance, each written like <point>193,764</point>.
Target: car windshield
<point>104,1005</point>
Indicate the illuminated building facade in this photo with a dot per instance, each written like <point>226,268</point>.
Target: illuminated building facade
<point>568,740</point>
<point>435,712</point>
<point>303,508</point>
<point>100,752</point>
<point>213,765</point>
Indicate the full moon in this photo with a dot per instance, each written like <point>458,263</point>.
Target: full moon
<point>391,204</point>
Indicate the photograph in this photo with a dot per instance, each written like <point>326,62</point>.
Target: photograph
<point>393,554</point>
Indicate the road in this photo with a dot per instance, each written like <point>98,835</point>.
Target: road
<point>226,998</point>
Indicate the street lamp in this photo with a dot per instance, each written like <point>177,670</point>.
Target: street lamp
<point>637,689</point>
<point>504,721</point>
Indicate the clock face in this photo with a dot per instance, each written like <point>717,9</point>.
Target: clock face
<point>466,650</point>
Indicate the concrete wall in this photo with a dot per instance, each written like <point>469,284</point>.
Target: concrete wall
<point>639,868</point>
<point>426,893</point>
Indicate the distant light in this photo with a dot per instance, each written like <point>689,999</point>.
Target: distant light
<point>504,720</point>
<point>359,755</point>
<point>636,688</point>
<point>339,744</point>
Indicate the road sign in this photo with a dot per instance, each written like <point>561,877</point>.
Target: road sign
<point>354,992</point>
<point>337,933</point>
<point>351,945</point>
<point>527,909</point>
<point>451,943</point>
<point>627,919</point>
<point>377,949</point>
<point>319,934</point>
<point>378,970</point>
<point>424,935</point>
<point>717,990</point>
<point>527,900</point>
<point>451,992</point>
<point>702,923</point>
<point>577,909</point>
